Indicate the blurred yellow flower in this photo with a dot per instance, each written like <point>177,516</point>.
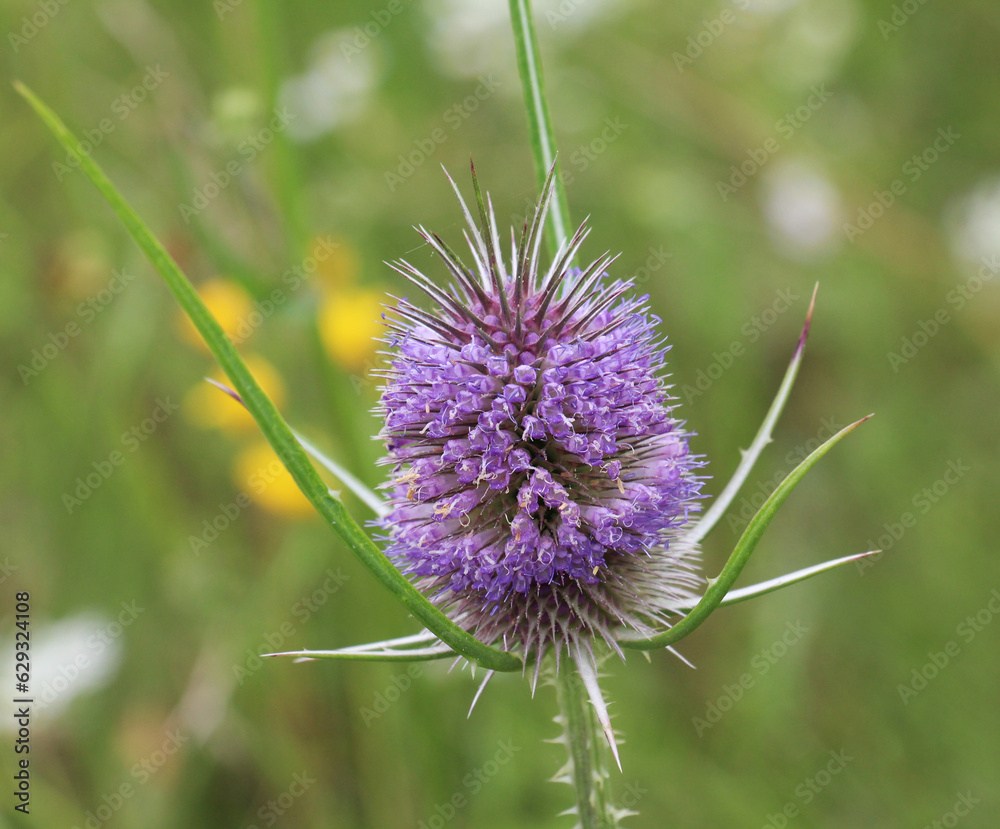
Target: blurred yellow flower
<point>259,473</point>
<point>349,321</point>
<point>229,303</point>
<point>210,408</point>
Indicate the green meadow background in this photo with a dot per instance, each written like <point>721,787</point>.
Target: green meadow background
<point>737,154</point>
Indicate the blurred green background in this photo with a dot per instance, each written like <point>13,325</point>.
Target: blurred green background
<point>737,154</point>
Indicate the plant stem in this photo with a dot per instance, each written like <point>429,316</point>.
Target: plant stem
<point>543,142</point>
<point>586,770</point>
<point>287,177</point>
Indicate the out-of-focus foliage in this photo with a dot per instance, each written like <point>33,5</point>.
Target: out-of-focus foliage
<point>737,153</point>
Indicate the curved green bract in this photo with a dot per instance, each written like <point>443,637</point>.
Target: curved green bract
<point>761,439</point>
<point>719,587</point>
<point>268,419</point>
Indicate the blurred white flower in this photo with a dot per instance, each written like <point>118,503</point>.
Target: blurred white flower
<point>74,656</point>
<point>766,6</point>
<point>342,71</point>
<point>973,222</point>
<point>802,208</point>
<point>470,37</point>
<point>812,41</point>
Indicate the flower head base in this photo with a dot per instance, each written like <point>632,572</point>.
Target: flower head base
<point>540,480</point>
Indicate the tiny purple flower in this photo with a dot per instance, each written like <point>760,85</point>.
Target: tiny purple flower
<point>540,481</point>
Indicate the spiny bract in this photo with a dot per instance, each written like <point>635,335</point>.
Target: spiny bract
<point>540,482</point>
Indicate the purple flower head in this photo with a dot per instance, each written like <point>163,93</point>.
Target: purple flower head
<point>540,481</point>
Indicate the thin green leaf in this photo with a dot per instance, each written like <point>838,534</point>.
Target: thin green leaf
<point>543,142</point>
<point>761,439</point>
<point>719,587</point>
<point>268,419</point>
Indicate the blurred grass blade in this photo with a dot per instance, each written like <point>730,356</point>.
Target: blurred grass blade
<point>761,439</point>
<point>414,655</point>
<point>268,419</point>
<point>543,142</point>
<point>719,587</point>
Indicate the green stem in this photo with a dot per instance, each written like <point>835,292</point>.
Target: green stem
<point>586,771</point>
<point>543,142</point>
<point>287,177</point>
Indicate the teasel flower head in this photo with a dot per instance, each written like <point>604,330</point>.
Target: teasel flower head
<point>540,480</point>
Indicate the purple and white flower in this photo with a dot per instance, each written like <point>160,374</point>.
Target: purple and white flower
<point>540,480</point>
